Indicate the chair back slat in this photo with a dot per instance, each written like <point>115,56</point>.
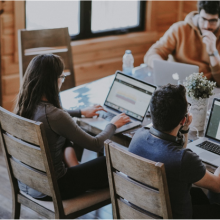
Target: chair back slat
<point>24,152</point>
<point>19,127</point>
<point>45,50</point>
<point>33,178</point>
<point>138,186</point>
<point>135,167</point>
<point>64,56</point>
<point>141,196</point>
<point>31,204</point>
<point>128,211</point>
<point>60,37</point>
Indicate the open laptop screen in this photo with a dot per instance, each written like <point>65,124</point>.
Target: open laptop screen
<point>130,96</point>
<point>213,128</point>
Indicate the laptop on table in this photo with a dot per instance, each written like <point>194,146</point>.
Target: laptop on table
<point>172,72</point>
<point>127,94</point>
<point>208,147</point>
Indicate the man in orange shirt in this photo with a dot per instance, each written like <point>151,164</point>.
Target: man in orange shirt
<point>196,40</point>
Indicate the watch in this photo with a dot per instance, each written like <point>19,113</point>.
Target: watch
<point>215,53</point>
<point>184,131</point>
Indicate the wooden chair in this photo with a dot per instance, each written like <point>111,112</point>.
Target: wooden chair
<point>28,159</point>
<point>138,186</point>
<point>56,41</point>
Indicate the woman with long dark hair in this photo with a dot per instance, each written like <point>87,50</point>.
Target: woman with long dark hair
<point>38,100</point>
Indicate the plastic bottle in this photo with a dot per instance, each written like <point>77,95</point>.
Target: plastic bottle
<point>128,62</point>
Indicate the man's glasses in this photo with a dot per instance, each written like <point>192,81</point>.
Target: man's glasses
<point>211,21</point>
<point>63,77</point>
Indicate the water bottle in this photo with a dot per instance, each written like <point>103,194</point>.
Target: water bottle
<point>128,62</point>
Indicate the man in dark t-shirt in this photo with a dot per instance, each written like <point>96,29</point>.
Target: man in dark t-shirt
<point>166,142</point>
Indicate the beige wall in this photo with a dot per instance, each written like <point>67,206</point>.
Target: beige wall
<point>92,58</point>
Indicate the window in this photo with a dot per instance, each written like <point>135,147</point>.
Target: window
<point>114,16</point>
<point>53,14</point>
<point>86,19</point>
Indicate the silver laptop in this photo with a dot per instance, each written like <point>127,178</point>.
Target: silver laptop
<point>208,147</point>
<point>171,72</point>
<point>128,95</point>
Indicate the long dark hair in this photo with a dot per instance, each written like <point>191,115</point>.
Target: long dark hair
<point>40,79</point>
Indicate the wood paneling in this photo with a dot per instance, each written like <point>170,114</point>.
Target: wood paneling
<point>8,6</point>
<point>180,11</point>
<point>93,58</point>
<point>85,72</point>
<point>10,84</point>
<point>108,54</point>
<point>96,58</point>
<point>7,44</point>
<point>7,24</point>
<point>166,7</point>
<point>151,24</point>
<point>189,6</point>
<point>103,43</point>
<point>8,101</point>
<point>8,65</point>
<point>19,23</point>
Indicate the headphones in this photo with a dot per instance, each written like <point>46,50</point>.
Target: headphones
<point>179,139</point>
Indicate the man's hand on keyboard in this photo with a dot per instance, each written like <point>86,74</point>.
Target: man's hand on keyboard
<point>120,120</point>
<point>92,111</point>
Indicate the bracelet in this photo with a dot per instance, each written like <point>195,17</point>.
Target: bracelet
<point>184,131</point>
<point>215,53</point>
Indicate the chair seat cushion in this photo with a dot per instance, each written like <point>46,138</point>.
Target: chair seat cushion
<point>78,203</point>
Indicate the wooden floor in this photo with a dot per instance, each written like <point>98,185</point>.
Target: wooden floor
<point>26,213</point>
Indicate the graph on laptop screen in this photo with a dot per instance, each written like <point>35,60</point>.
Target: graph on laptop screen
<point>213,130</point>
<point>129,96</point>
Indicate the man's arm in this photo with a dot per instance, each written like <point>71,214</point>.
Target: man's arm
<point>210,181</point>
<point>162,48</point>
<point>209,39</point>
<point>186,128</point>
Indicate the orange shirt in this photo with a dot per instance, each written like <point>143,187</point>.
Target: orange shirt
<point>184,41</point>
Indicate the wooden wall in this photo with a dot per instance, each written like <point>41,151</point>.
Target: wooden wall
<point>92,58</point>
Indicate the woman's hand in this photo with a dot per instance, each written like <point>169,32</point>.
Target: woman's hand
<point>120,120</point>
<point>91,111</point>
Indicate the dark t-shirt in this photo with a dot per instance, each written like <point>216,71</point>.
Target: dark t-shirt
<point>183,167</point>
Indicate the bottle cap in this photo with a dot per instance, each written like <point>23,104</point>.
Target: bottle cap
<point>128,51</point>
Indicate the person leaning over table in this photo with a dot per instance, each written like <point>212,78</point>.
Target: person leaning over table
<point>38,100</point>
<point>166,143</point>
<point>196,40</point>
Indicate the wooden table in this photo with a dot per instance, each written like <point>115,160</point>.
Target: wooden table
<point>96,92</point>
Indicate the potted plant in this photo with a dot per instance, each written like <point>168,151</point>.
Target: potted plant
<point>199,89</point>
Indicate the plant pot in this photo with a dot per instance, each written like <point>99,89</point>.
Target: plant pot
<point>199,112</point>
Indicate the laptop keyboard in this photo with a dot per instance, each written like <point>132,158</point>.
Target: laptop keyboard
<point>214,148</point>
<point>108,116</point>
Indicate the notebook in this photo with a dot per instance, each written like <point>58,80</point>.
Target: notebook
<point>127,94</point>
<point>171,72</point>
<point>208,147</point>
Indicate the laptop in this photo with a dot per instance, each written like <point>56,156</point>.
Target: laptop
<point>171,72</point>
<point>208,147</point>
<point>127,94</point>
